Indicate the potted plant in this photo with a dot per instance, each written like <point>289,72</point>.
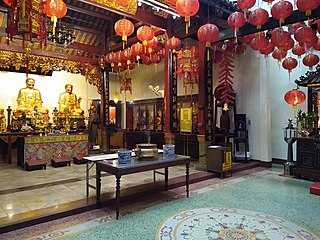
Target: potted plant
<point>305,122</point>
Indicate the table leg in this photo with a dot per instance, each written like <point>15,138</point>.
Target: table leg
<point>98,186</point>
<point>166,176</point>
<point>87,178</point>
<point>187,178</point>
<point>117,196</point>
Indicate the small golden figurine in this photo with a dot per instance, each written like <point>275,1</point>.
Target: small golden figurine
<point>2,121</point>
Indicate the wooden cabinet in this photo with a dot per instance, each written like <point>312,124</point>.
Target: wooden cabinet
<point>219,160</point>
<point>308,158</point>
<point>145,115</point>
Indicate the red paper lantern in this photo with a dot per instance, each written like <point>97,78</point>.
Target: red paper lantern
<point>145,34</point>
<point>288,45</point>
<point>307,6</point>
<point>137,50</point>
<point>281,10</point>
<point>304,34</point>
<point>124,28</point>
<point>295,97</point>
<point>162,52</point>
<point>279,54</point>
<point>148,51</point>
<point>268,49</point>
<point>118,58</point>
<point>153,43</point>
<point>309,43</point>
<point>174,44</point>
<point>246,4</point>
<point>310,60</point>
<point>258,17</point>
<point>55,9</point>
<point>110,58</point>
<point>268,1</point>
<point>317,45</point>
<point>289,64</point>
<point>259,42</point>
<point>247,39</point>
<point>236,20</point>
<point>306,37</point>
<point>187,9</point>
<point>127,56</point>
<point>292,28</point>
<point>155,58</point>
<point>279,37</point>
<point>146,60</point>
<point>208,33</point>
<point>298,50</point>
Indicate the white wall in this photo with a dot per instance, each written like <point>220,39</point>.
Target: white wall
<point>142,76</point>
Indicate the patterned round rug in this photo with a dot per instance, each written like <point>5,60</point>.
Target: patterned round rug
<point>227,224</point>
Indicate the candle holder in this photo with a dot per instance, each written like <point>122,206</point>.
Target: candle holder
<point>290,134</point>
<point>9,110</point>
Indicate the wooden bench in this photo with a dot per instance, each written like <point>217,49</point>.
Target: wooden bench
<point>60,162</point>
<point>79,160</point>
<point>35,164</point>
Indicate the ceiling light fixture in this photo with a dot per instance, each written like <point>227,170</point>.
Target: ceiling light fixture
<point>63,35</point>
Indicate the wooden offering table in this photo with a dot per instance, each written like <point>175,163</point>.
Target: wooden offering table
<point>138,165</point>
<point>52,146</point>
<point>308,158</point>
<point>8,138</point>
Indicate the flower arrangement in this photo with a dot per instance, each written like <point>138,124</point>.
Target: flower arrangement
<point>305,122</point>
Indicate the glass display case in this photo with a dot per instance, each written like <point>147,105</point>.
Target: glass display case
<point>145,115</point>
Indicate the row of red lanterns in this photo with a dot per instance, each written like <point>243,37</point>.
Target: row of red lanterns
<point>280,11</point>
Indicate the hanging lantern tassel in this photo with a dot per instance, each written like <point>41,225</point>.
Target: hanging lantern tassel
<point>187,20</point>
<point>54,19</point>
<point>24,8</point>
<point>208,50</point>
<point>235,35</point>
<point>138,57</point>
<point>124,41</point>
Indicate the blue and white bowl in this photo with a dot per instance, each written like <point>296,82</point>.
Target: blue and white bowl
<point>124,156</point>
<point>168,150</point>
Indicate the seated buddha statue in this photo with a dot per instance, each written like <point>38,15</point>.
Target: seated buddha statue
<point>70,104</point>
<point>28,99</point>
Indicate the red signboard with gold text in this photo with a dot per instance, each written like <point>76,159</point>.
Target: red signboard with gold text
<point>127,6</point>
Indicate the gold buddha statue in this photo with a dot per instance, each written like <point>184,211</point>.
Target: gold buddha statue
<point>28,99</point>
<point>69,104</point>
<point>2,121</point>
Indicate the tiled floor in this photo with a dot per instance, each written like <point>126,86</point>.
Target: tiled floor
<point>23,191</point>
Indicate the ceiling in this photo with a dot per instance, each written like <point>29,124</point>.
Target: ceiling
<point>94,27</point>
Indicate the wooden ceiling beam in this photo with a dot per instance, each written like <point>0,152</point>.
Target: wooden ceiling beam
<point>141,15</point>
<point>50,54</point>
<point>90,13</point>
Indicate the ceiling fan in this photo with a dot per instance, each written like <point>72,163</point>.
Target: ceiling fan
<point>156,90</point>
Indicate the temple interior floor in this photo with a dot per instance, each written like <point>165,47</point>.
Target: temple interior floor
<point>23,191</point>
<point>41,195</point>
